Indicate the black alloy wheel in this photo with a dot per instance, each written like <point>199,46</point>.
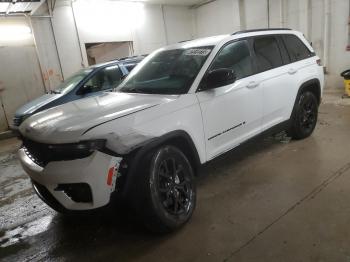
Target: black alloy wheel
<point>164,192</point>
<point>304,116</point>
<point>174,187</point>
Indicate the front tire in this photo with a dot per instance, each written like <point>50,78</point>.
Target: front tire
<point>166,194</point>
<point>304,117</point>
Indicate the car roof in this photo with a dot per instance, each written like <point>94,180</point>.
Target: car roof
<point>214,40</point>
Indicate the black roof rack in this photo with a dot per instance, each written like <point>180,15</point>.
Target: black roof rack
<point>259,30</point>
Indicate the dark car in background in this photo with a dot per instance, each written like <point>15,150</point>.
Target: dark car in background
<point>86,82</point>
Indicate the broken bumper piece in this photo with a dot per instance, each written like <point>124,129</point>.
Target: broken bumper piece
<point>80,184</point>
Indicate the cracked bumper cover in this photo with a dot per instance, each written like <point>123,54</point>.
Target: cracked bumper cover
<point>98,170</point>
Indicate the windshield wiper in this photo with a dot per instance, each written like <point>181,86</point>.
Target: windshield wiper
<point>55,92</point>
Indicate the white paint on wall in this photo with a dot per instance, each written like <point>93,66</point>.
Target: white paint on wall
<point>15,32</point>
<point>306,16</point>
<point>66,38</point>
<point>218,17</point>
<point>339,58</point>
<point>47,52</point>
<point>20,75</point>
<point>150,34</point>
<point>102,21</point>
<point>178,21</point>
<point>255,13</point>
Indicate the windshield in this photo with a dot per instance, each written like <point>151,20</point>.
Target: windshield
<point>167,72</point>
<point>72,81</point>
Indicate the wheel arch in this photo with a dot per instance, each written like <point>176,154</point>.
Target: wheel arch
<point>178,138</point>
<point>312,85</point>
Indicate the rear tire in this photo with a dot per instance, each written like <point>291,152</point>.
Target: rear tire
<point>165,195</point>
<point>304,116</point>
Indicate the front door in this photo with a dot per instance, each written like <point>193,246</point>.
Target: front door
<point>232,113</point>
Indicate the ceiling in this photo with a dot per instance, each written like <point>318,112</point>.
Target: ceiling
<point>11,7</point>
<point>19,6</point>
<point>171,2</point>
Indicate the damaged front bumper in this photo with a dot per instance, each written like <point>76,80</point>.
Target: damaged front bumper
<point>79,184</point>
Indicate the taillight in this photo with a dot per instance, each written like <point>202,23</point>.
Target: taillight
<point>318,61</point>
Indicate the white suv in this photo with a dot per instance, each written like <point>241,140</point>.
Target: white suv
<point>182,106</point>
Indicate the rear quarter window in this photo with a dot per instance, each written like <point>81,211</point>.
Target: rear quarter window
<point>296,48</point>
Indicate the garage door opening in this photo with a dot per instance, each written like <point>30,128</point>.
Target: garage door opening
<point>104,52</point>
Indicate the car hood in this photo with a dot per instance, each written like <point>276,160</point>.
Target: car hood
<point>66,123</point>
<point>35,104</point>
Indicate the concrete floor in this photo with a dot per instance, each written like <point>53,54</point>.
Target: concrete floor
<point>272,200</point>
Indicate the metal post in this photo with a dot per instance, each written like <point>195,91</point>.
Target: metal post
<point>37,55</point>
<point>282,13</point>
<point>326,37</point>
<point>76,29</point>
<point>164,25</point>
<point>242,19</point>
<point>54,39</point>
<point>268,13</point>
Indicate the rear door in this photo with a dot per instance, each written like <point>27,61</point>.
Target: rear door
<point>276,79</point>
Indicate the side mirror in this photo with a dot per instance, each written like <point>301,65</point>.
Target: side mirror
<point>219,77</point>
<point>85,89</point>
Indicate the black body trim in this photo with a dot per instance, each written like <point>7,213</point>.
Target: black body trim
<point>137,155</point>
<point>307,84</point>
<point>260,30</point>
<point>227,130</point>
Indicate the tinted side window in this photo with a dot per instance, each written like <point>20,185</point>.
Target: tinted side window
<point>296,48</point>
<point>104,79</point>
<point>235,56</point>
<point>267,53</point>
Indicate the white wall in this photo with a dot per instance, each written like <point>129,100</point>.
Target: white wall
<point>307,16</point>
<point>47,53</point>
<point>215,18</point>
<point>148,26</point>
<point>339,58</point>
<point>179,23</point>
<point>255,13</point>
<point>66,38</point>
<point>20,74</point>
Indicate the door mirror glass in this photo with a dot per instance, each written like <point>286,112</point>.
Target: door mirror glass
<point>220,77</point>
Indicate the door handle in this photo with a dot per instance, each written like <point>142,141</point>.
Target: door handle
<point>292,71</point>
<point>252,84</point>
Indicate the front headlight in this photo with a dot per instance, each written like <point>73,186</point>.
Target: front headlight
<point>45,153</point>
<point>80,150</point>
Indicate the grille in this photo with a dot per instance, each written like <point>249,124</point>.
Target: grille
<point>33,157</point>
<point>42,154</point>
<point>17,120</point>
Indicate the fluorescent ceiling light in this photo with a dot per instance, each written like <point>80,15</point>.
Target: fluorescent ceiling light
<point>14,32</point>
